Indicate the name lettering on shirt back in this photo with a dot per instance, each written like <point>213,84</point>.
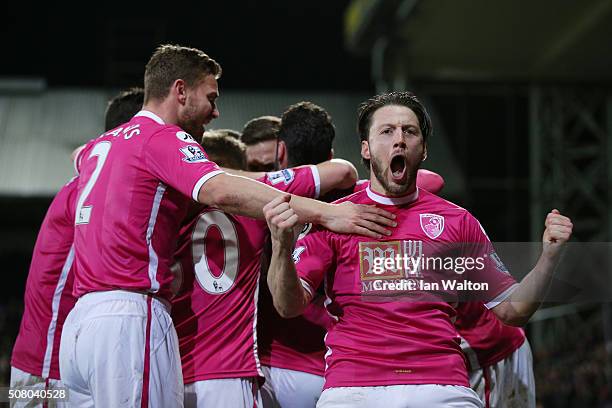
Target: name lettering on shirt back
<point>128,132</point>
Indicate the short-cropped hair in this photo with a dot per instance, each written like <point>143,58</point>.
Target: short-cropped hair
<point>171,62</point>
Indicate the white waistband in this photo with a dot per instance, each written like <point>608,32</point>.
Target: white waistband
<point>96,297</point>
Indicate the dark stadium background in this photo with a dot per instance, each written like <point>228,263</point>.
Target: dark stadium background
<point>304,46</point>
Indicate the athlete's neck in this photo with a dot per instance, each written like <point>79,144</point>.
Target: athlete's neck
<point>165,109</point>
<point>377,188</point>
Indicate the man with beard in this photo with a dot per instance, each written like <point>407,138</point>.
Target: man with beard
<point>393,342</point>
<point>292,351</point>
<point>135,186</point>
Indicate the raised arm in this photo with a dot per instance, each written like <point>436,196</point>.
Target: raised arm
<point>289,296</point>
<point>527,297</point>
<point>243,196</point>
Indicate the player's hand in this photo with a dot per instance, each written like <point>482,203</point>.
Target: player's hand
<point>282,221</point>
<point>367,220</point>
<point>558,231</point>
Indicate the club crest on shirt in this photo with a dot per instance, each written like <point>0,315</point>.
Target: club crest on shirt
<point>185,137</point>
<point>285,175</point>
<point>193,154</point>
<point>432,225</point>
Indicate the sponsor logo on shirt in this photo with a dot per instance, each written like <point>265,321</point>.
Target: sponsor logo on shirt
<point>369,252</point>
<point>193,154</point>
<point>185,137</point>
<point>432,225</point>
<point>390,260</point>
<point>402,266</point>
<point>285,175</point>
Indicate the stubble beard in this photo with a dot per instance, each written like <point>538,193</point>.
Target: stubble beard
<point>189,123</point>
<point>390,187</point>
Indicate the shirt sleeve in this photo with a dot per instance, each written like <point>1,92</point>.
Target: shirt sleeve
<point>176,159</point>
<point>71,199</point>
<point>488,269</point>
<point>430,181</point>
<point>313,256</point>
<point>78,159</point>
<point>302,181</point>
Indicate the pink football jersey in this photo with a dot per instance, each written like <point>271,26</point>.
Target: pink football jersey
<point>430,181</point>
<point>294,344</point>
<point>219,257</point>
<point>297,344</point>
<point>48,294</point>
<point>485,340</point>
<point>134,191</point>
<point>388,329</point>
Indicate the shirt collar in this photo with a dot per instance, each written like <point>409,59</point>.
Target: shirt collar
<point>150,115</point>
<point>408,198</point>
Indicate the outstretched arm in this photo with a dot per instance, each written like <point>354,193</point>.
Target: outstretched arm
<point>243,196</point>
<point>527,297</point>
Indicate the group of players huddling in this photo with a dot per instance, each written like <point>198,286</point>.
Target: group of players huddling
<point>169,272</point>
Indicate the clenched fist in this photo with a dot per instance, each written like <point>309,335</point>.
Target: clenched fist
<point>282,221</point>
<point>558,231</point>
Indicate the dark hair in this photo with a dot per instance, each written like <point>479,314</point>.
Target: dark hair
<point>224,149</point>
<point>308,133</point>
<point>122,107</point>
<point>229,132</point>
<point>260,129</point>
<point>408,99</point>
<point>171,62</point>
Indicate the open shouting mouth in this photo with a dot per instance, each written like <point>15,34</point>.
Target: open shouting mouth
<point>398,168</point>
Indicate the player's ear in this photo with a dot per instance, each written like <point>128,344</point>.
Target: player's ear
<point>178,89</point>
<point>331,154</point>
<point>424,152</point>
<point>282,154</point>
<point>365,150</point>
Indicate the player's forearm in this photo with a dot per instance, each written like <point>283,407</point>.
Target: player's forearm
<point>237,195</point>
<point>528,295</point>
<point>312,211</point>
<point>243,196</point>
<point>289,296</point>
<point>248,174</point>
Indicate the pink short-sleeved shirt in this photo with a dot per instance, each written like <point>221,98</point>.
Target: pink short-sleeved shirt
<point>219,259</point>
<point>386,332</point>
<point>135,185</point>
<point>48,295</point>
